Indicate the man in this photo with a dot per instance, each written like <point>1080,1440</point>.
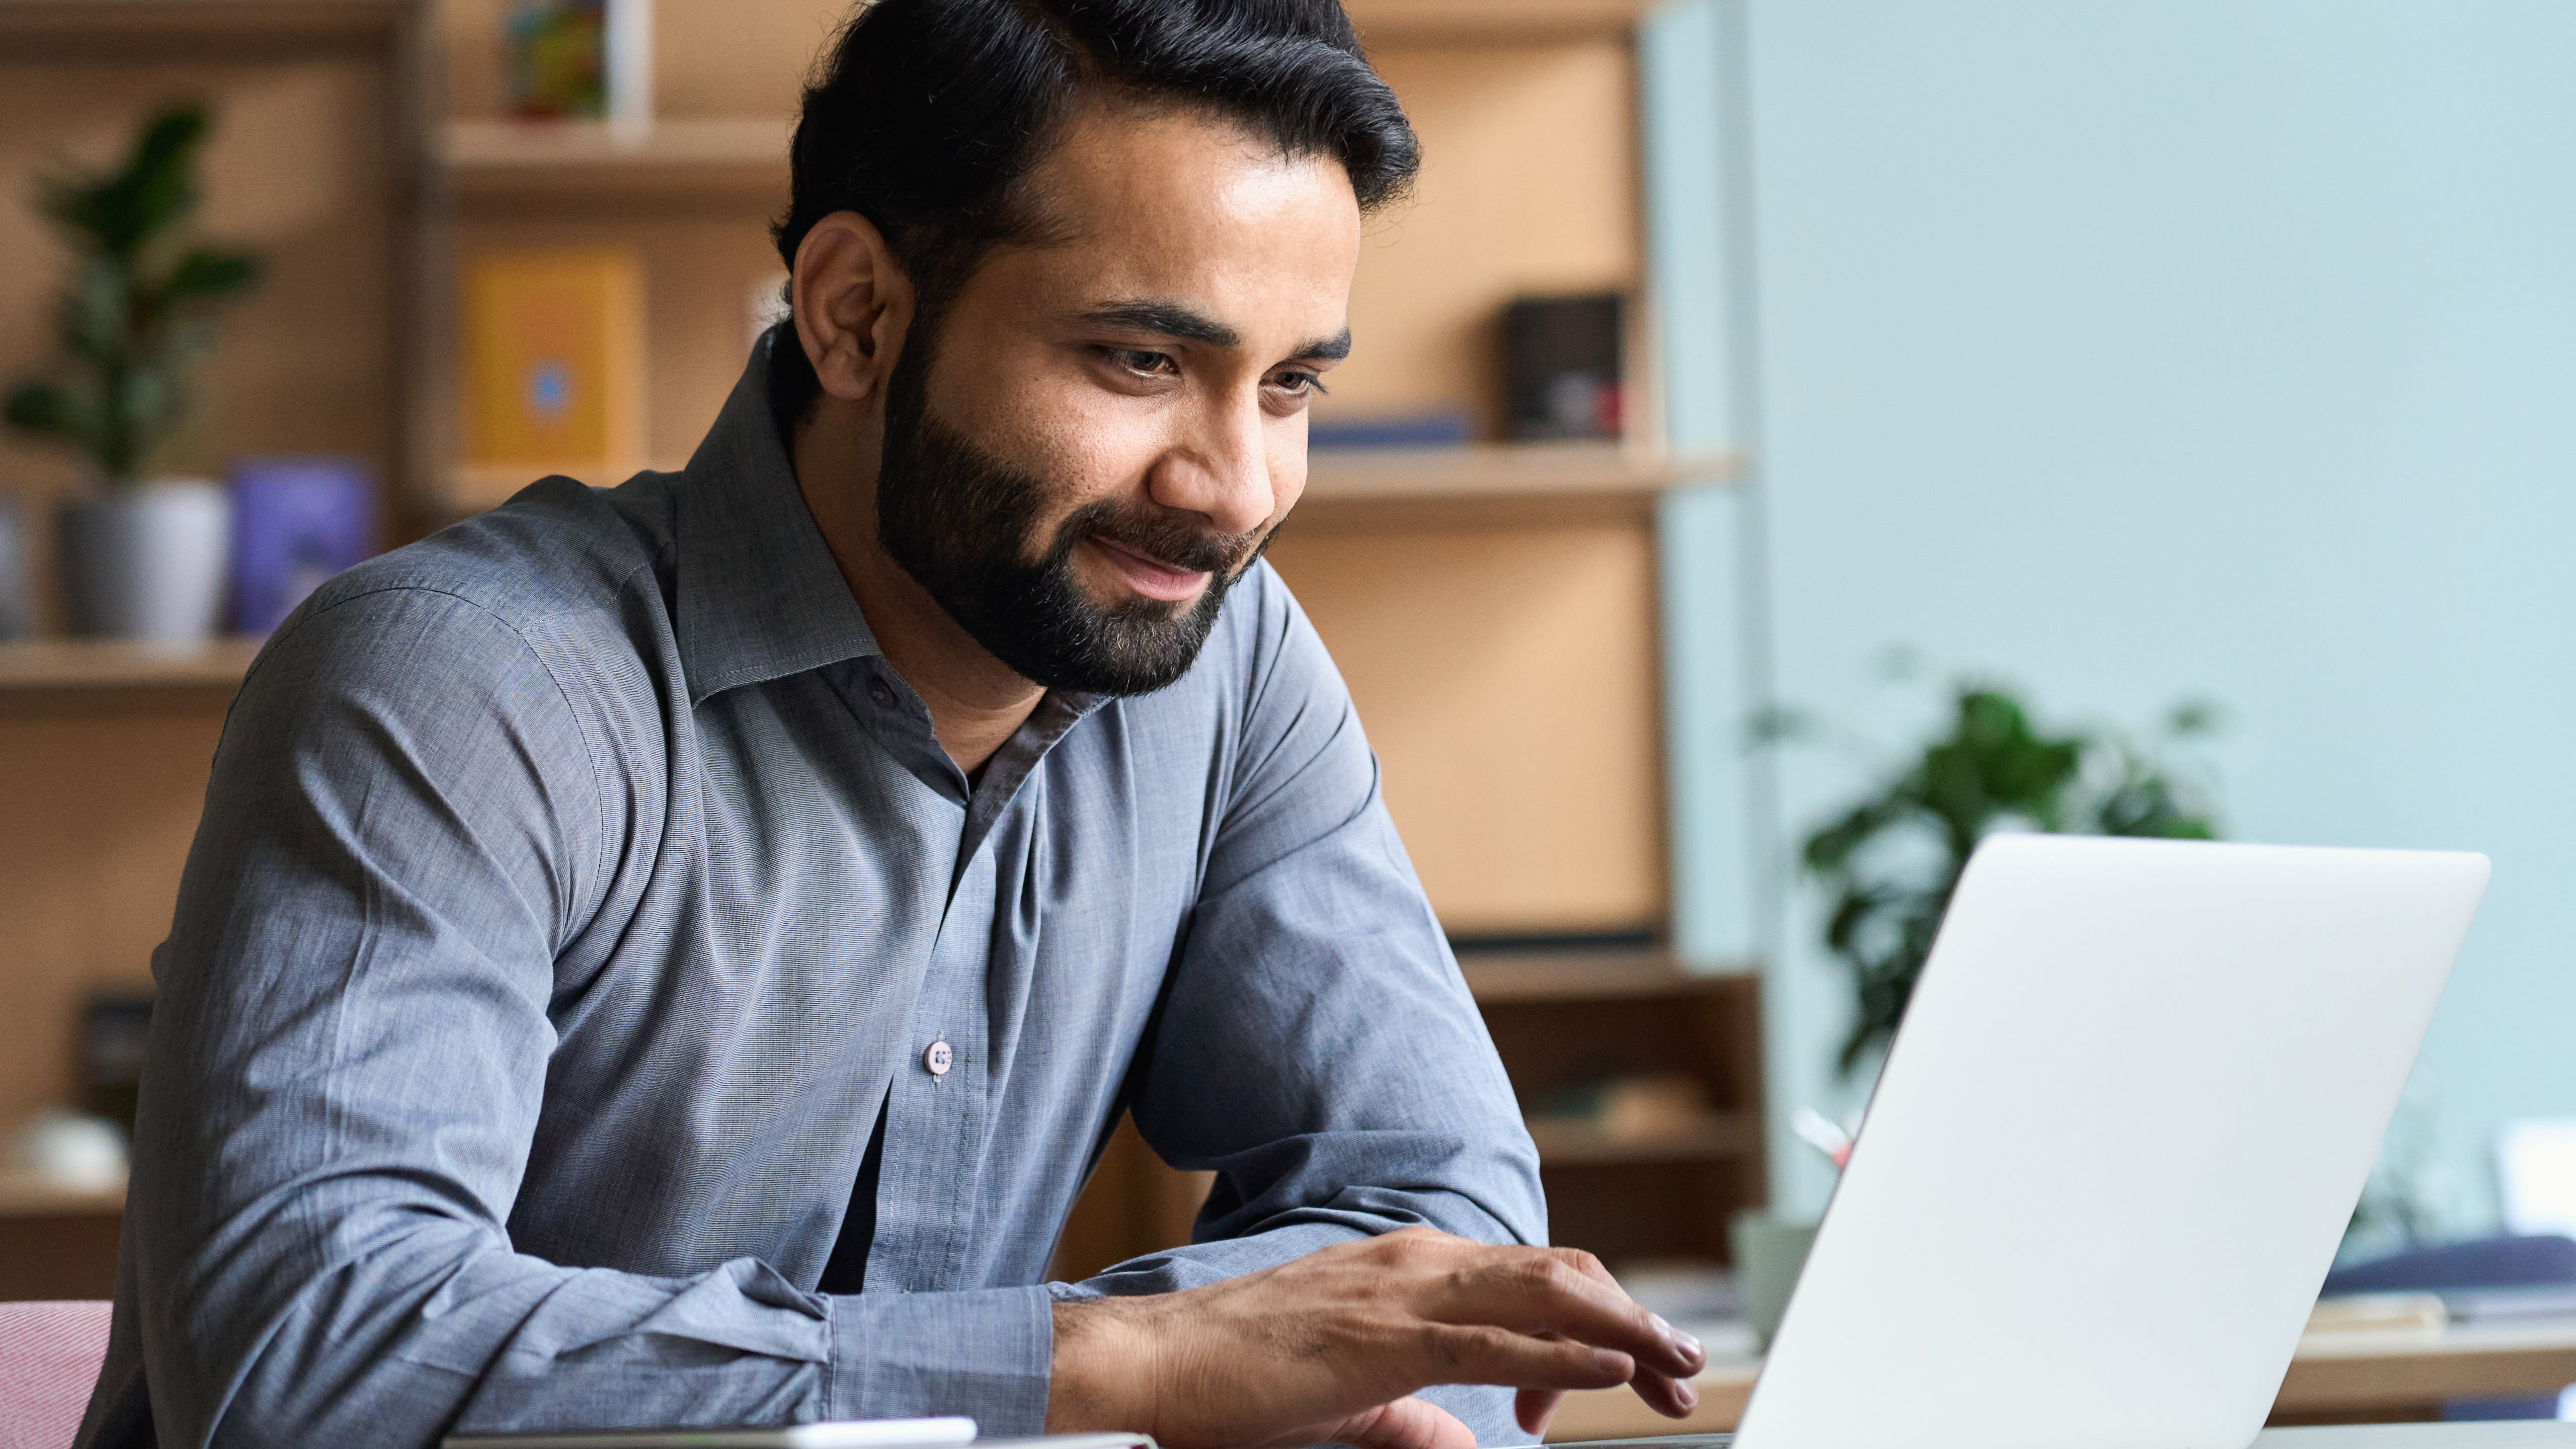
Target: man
<point>669,955</point>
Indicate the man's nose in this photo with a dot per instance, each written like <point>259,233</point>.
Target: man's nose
<point>1221,472</point>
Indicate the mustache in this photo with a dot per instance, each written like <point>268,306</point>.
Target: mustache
<point>1161,534</point>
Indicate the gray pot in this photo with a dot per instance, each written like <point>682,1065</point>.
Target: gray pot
<point>147,560</point>
<point>17,601</point>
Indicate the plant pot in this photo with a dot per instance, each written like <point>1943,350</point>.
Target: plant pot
<point>1770,1252</point>
<point>148,560</point>
<point>17,602</point>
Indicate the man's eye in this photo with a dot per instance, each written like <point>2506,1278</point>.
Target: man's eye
<point>1136,360</point>
<point>1298,383</point>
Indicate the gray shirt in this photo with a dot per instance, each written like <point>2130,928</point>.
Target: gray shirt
<point>576,885</point>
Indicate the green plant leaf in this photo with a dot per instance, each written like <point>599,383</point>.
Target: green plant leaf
<point>118,214</point>
<point>40,407</point>
<point>204,274</point>
<point>1992,768</point>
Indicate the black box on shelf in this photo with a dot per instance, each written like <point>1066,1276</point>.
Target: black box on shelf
<point>114,1029</point>
<point>1561,368</point>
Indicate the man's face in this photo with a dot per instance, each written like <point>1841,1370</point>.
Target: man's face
<point>1104,430</point>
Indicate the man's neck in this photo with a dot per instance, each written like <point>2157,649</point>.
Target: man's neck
<point>976,701</point>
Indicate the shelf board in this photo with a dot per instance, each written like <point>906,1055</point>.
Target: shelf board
<point>1580,1144</point>
<point>96,664</point>
<point>668,161</point>
<point>1499,482</point>
<point>22,1196</point>
<point>1355,488</point>
<point>161,30</point>
<point>1521,976</point>
<point>1456,21</point>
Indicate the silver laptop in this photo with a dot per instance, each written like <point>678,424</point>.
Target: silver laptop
<point>2114,1147</point>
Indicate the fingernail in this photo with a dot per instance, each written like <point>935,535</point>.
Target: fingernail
<point>1689,1345</point>
<point>1688,1395</point>
<point>1611,1361</point>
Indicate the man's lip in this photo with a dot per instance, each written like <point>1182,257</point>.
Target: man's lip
<point>1151,576</point>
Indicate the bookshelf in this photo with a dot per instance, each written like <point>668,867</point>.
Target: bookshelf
<point>669,163</point>
<point>1657,1192</point>
<point>1494,608</point>
<point>31,668</point>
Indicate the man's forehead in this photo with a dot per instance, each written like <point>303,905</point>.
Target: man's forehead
<point>1189,226</point>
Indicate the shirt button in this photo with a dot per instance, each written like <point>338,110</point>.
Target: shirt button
<point>883,696</point>
<point>939,1058</point>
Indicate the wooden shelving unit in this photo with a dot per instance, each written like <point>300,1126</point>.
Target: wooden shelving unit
<point>28,1197</point>
<point>1489,485</point>
<point>1720,1137</point>
<point>491,162</point>
<point>57,1242</point>
<point>1441,580</point>
<point>1498,484</point>
<point>55,665</point>
<point>1566,1019</point>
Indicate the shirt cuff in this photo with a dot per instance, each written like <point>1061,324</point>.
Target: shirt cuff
<point>986,1354</point>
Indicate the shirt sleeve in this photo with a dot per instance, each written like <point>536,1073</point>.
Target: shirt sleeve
<point>1318,1049</point>
<point>408,820</point>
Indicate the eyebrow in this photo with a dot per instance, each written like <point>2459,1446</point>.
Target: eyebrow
<point>1172,319</point>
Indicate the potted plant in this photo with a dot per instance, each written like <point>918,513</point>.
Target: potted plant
<point>144,557</point>
<point>1890,860</point>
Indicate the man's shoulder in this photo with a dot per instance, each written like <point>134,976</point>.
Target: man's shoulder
<point>557,555</point>
<point>559,590</point>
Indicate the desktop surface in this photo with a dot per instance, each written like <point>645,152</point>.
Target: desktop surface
<point>2491,1434</point>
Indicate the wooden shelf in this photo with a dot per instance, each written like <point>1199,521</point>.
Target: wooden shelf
<point>27,1197</point>
<point>1580,1144</point>
<point>1510,976</point>
<point>1356,489</point>
<point>164,30</point>
<point>667,162</point>
<point>1498,482</point>
<point>93,664</point>
<point>1469,21</point>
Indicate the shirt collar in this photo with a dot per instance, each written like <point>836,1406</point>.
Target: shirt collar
<point>759,595</point>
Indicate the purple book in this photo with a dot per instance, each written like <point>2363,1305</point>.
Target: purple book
<point>296,522</point>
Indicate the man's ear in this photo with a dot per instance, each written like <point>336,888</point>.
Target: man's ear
<point>854,306</point>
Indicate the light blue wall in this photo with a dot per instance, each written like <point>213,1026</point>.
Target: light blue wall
<point>2136,351</point>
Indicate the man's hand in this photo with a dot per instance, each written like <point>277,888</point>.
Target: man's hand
<point>1333,1346</point>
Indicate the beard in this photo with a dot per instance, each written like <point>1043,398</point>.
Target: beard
<point>963,523</point>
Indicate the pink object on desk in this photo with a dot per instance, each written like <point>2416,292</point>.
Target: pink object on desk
<point>49,1357</point>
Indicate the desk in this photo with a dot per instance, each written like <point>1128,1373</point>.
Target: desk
<point>2346,1377</point>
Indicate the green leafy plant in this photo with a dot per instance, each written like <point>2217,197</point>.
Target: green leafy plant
<point>1890,862</point>
<point>139,305</point>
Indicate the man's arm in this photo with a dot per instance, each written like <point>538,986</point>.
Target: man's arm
<point>408,821</point>
<point>1319,1051</point>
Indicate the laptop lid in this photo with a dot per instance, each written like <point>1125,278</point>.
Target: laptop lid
<point>2114,1147</point>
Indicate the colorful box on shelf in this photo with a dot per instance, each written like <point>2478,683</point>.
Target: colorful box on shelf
<point>554,363</point>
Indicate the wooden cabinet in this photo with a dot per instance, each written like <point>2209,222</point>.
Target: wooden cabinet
<point>1494,608</point>
<point>1573,1029</point>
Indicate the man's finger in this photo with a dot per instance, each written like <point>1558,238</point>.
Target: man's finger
<point>1667,1395</point>
<point>1534,1409</point>
<point>1476,1353</point>
<point>1542,1293</point>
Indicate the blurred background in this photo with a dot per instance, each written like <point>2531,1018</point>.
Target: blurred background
<point>1782,437</point>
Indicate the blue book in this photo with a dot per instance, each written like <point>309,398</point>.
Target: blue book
<point>296,522</point>
<point>1437,428</point>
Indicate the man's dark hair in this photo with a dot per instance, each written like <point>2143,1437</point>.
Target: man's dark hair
<point>925,115</point>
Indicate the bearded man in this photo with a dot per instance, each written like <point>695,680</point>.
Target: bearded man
<point>669,955</point>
